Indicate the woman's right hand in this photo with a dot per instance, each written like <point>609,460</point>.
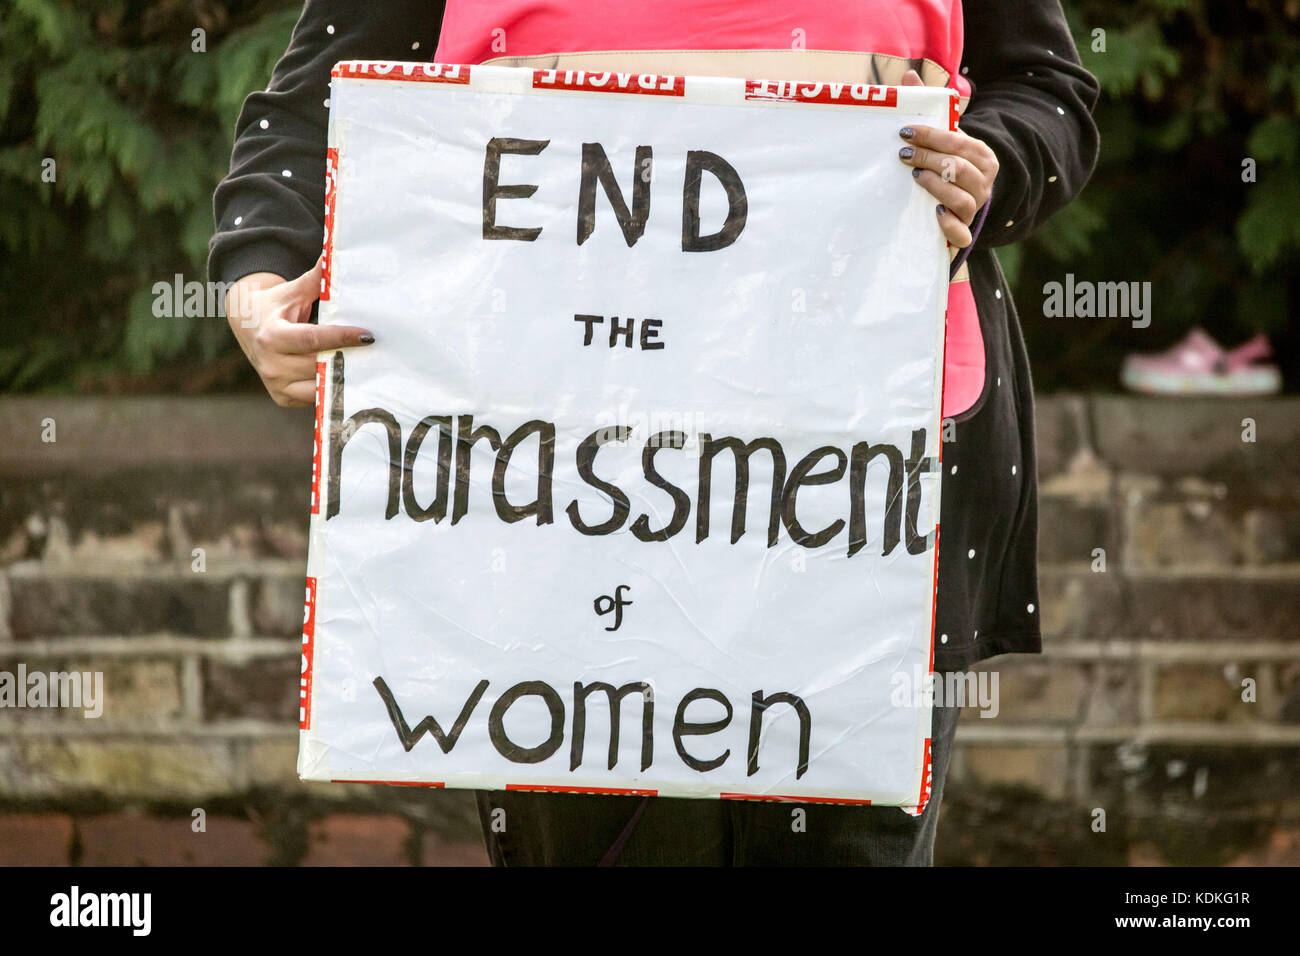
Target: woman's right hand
<point>268,315</point>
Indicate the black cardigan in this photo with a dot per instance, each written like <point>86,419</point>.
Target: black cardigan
<point>1032,103</point>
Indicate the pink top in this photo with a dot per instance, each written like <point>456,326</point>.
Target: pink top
<point>476,31</point>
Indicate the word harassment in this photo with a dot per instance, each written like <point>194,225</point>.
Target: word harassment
<point>458,434</point>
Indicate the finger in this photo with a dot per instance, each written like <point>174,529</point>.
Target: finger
<point>305,338</point>
<point>949,168</point>
<point>307,285</point>
<point>293,299</point>
<point>953,142</point>
<point>953,197</point>
<point>911,78</point>
<point>296,394</point>
<point>290,368</point>
<point>954,230</point>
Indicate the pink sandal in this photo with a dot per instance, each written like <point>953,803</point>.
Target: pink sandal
<point>1198,365</point>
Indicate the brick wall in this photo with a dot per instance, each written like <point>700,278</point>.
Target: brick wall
<point>1135,709</point>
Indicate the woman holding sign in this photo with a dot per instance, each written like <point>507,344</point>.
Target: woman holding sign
<point>1025,146</point>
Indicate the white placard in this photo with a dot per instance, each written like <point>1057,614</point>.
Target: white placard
<point>589,292</point>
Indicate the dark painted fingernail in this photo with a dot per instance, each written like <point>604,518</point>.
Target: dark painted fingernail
<point>916,174</point>
<point>940,210</point>
<point>906,152</point>
<point>907,132</point>
<point>367,339</point>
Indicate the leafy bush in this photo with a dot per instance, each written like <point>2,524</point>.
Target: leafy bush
<point>1191,90</point>
<point>137,112</point>
<point>138,124</point>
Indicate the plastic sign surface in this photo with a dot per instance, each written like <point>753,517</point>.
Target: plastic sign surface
<point>637,490</point>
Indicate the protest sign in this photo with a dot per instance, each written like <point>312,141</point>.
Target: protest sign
<point>637,490</point>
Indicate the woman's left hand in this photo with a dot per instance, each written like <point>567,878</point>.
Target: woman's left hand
<point>958,170</point>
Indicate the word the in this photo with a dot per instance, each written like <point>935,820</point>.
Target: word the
<point>649,331</point>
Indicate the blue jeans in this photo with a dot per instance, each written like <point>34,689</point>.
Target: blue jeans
<point>563,829</point>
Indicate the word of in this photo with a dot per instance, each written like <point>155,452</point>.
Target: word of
<point>615,603</point>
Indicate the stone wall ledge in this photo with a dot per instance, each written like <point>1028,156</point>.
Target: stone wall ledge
<point>179,570</point>
<point>1177,436</point>
<point>152,645</point>
<point>972,730</point>
<point>1280,571</point>
<point>287,568</point>
<point>174,731</point>
<point>242,648</point>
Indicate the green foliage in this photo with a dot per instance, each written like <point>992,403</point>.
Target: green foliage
<point>135,125</point>
<point>139,127</point>
<point>1191,90</point>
